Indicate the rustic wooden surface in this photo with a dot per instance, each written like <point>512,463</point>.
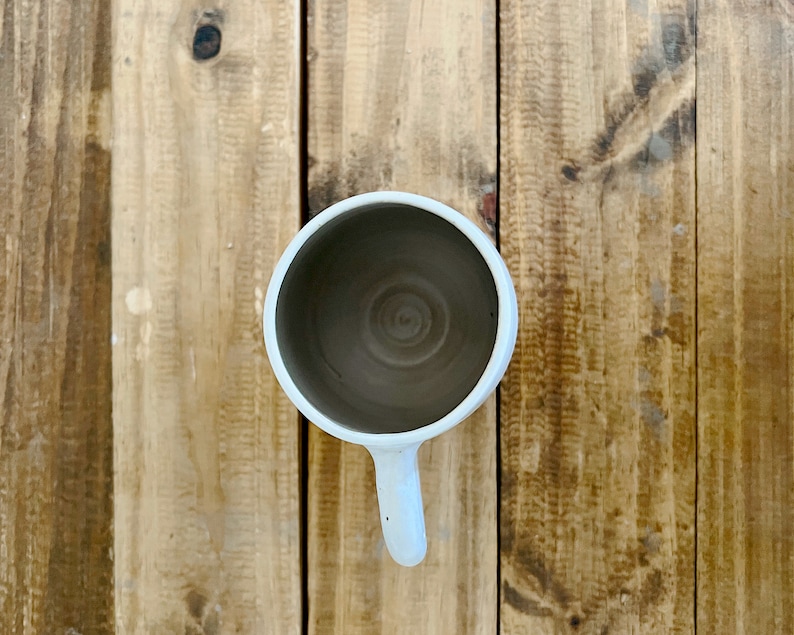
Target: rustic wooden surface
<point>205,197</point>
<point>55,389</point>
<point>745,313</point>
<point>653,265</point>
<point>597,225</point>
<point>402,95</point>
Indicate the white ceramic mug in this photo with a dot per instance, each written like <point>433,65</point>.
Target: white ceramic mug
<point>388,320</point>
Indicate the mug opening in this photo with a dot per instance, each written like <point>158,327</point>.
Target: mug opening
<point>386,317</point>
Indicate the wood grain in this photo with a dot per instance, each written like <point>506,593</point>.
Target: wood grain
<point>55,430</point>
<point>402,96</point>
<point>745,298</point>
<point>205,196</point>
<point>597,224</point>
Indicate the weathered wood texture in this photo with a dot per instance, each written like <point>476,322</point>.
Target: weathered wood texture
<point>597,221</point>
<point>600,230</point>
<point>55,426</point>
<point>745,165</point>
<point>402,95</point>
<point>205,197</point>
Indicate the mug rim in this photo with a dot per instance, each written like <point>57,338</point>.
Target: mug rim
<point>504,342</point>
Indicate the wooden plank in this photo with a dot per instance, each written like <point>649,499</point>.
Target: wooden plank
<point>745,169</point>
<point>205,196</point>
<point>402,96</point>
<point>597,226</point>
<point>55,429</point>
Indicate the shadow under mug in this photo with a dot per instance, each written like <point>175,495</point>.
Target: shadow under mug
<point>388,320</point>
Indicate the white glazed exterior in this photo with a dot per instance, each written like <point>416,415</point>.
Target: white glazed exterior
<point>394,453</point>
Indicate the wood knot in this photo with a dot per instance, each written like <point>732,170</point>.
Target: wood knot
<point>206,42</point>
<point>571,172</point>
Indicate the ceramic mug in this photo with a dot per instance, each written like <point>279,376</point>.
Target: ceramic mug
<point>388,320</point>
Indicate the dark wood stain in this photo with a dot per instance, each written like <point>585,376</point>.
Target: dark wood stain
<point>368,169</point>
<point>85,443</point>
<point>644,79</point>
<point>196,602</point>
<point>675,136</point>
<point>7,436</point>
<point>101,67</point>
<point>653,588</point>
<point>508,484</point>
<point>675,40</point>
<point>522,603</point>
<point>212,625</point>
<point>603,144</point>
<point>533,564</point>
<point>336,184</point>
<point>677,47</point>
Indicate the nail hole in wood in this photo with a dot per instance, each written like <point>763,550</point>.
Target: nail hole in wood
<point>206,42</point>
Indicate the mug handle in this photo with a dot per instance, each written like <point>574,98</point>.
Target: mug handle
<point>400,500</point>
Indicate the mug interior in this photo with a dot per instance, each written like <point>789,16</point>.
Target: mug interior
<point>386,318</point>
